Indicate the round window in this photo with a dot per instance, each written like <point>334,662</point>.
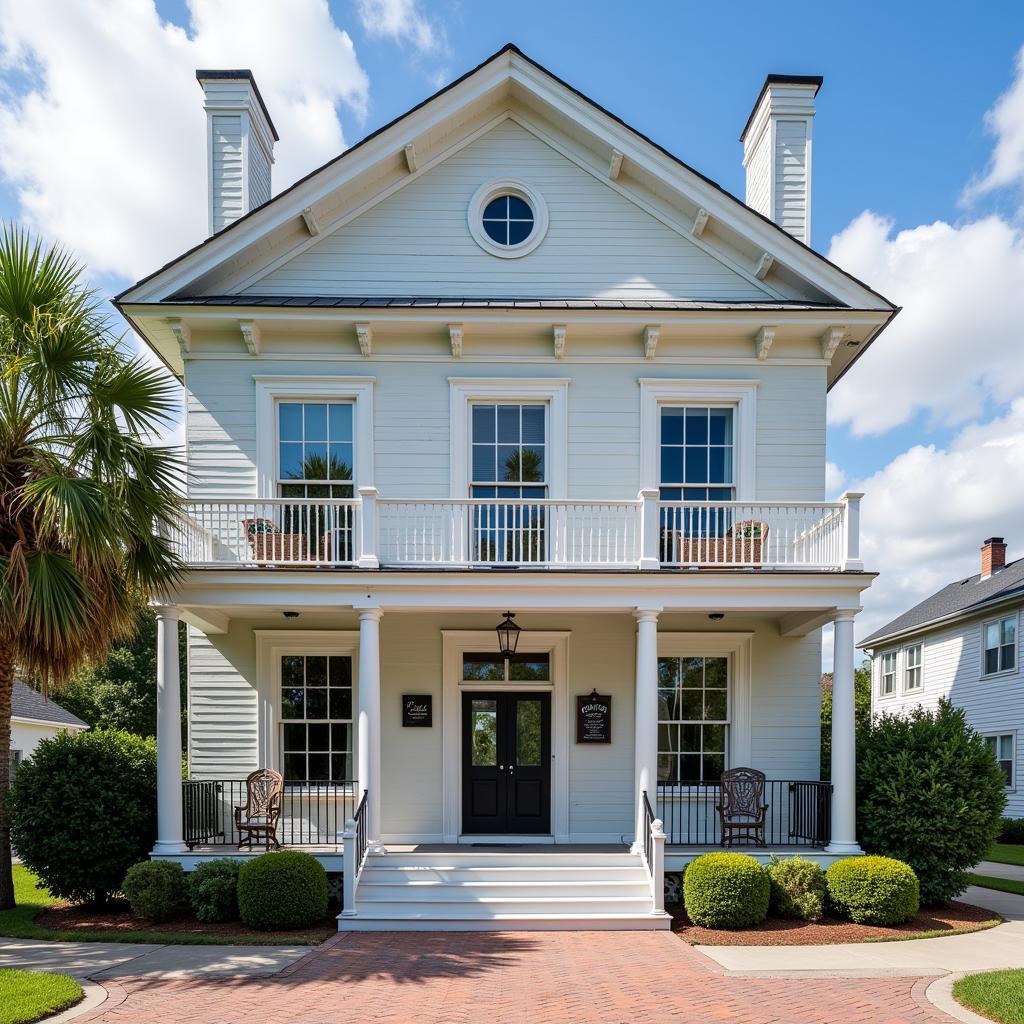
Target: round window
<point>508,218</point>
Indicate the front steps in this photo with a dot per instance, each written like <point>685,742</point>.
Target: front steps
<point>502,891</point>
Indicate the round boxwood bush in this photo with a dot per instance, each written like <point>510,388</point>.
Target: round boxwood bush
<point>282,890</point>
<point>725,890</point>
<point>213,890</point>
<point>873,890</point>
<point>83,811</point>
<point>930,794</point>
<point>798,888</point>
<point>156,889</point>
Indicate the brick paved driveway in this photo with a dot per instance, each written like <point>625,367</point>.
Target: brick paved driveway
<point>526,978</point>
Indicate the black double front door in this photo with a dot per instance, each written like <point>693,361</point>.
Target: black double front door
<point>506,763</point>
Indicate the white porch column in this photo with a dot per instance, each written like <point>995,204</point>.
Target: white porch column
<point>368,736</point>
<point>844,741</point>
<point>646,724</point>
<point>170,836</point>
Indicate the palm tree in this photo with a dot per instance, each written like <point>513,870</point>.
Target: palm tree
<point>85,499</point>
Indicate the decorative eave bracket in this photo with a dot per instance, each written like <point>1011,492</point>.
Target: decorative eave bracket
<point>309,218</point>
<point>763,344</point>
<point>559,332</point>
<point>764,264</point>
<point>455,332</point>
<point>700,222</point>
<point>615,165</point>
<point>410,157</point>
<point>181,331</point>
<point>830,341</point>
<point>250,335</point>
<point>364,333</point>
<point>651,334</point>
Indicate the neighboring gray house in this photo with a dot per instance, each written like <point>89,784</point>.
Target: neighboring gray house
<point>963,643</point>
<point>34,718</point>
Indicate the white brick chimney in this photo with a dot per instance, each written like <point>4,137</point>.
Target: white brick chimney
<point>240,141</point>
<point>777,152</point>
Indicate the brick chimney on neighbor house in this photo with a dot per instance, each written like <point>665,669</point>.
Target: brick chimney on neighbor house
<point>777,152</point>
<point>993,556</point>
<point>240,141</point>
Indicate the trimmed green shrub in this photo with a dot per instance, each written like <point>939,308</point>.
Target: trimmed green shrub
<point>725,890</point>
<point>213,890</point>
<point>83,811</point>
<point>282,890</point>
<point>156,889</point>
<point>873,890</point>
<point>1012,831</point>
<point>798,888</point>
<point>929,794</point>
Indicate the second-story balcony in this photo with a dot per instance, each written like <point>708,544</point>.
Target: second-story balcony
<point>479,533</point>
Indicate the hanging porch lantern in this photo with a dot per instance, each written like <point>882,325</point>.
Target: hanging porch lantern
<point>508,636</point>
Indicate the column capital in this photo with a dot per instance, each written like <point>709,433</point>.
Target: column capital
<point>846,615</point>
<point>165,610</point>
<point>371,614</point>
<point>647,614</point>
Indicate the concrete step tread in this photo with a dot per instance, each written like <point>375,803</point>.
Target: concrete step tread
<point>524,883</point>
<point>435,900</point>
<point>597,915</point>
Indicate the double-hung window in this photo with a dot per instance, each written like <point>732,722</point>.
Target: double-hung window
<point>887,685</point>
<point>912,668</point>
<point>693,719</point>
<point>508,465</point>
<point>697,453</point>
<point>316,717</point>
<point>314,449</point>
<point>1002,748</point>
<point>1000,645</point>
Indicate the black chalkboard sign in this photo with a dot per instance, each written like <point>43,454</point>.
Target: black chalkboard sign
<point>417,710</point>
<point>593,719</point>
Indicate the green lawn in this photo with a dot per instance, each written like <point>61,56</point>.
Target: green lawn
<point>26,996</point>
<point>1002,884</point>
<point>31,898</point>
<point>995,994</point>
<point>1004,853</point>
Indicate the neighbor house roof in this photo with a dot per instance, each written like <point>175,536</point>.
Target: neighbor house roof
<point>29,704</point>
<point>957,600</point>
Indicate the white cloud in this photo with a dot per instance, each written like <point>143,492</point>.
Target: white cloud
<point>402,21</point>
<point>835,478</point>
<point>106,148</point>
<point>1006,122</point>
<point>957,342</point>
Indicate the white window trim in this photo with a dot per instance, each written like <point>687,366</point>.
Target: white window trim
<point>882,695</point>
<point>271,390</point>
<point>907,666</point>
<point>464,391</point>
<point>1012,733</point>
<point>1016,648</point>
<point>507,186</point>
<point>454,644</point>
<point>741,395</point>
<point>737,649</point>
<point>271,646</point>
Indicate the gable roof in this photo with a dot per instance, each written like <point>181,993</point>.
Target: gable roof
<point>956,601</point>
<point>29,703</point>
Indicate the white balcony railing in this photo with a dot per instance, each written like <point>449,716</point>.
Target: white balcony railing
<point>483,532</point>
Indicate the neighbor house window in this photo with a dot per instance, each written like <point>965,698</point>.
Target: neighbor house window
<point>912,668</point>
<point>693,719</point>
<point>1002,750</point>
<point>1000,645</point>
<point>316,717</point>
<point>314,450</point>
<point>888,681</point>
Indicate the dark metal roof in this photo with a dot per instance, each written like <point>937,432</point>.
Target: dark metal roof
<point>471,302</point>
<point>959,599</point>
<point>228,76</point>
<point>814,80</point>
<point>27,702</point>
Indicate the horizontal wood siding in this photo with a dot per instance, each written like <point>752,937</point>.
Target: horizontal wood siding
<point>791,176</point>
<point>952,668</point>
<point>228,195</point>
<point>259,174</point>
<point>417,242</point>
<point>759,173</point>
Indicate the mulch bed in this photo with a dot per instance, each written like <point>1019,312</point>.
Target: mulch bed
<point>776,931</point>
<point>117,917</point>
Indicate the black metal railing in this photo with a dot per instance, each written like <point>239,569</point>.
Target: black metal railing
<point>799,813</point>
<point>312,813</point>
<point>360,819</point>
<point>649,817</point>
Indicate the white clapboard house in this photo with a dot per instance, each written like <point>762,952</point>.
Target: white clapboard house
<point>963,643</point>
<point>507,354</point>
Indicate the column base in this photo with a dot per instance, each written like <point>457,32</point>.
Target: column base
<point>375,846</point>
<point>637,847</point>
<point>844,849</point>
<point>162,848</point>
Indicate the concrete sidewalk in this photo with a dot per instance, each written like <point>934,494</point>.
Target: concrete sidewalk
<point>1015,872</point>
<point>136,960</point>
<point>998,947</point>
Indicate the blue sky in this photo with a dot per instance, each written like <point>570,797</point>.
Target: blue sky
<point>900,134</point>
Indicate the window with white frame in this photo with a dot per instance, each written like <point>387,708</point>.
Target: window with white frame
<point>1002,748</point>
<point>696,453</point>
<point>887,682</point>
<point>508,450</point>
<point>316,717</point>
<point>315,449</point>
<point>1000,641</point>
<point>693,719</point>
<point>912,668</point>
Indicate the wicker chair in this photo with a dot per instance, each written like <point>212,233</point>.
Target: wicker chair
<point>742,544</point>
<point>269,544</point>
<point>742,810</point>
<point>257,818</point>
